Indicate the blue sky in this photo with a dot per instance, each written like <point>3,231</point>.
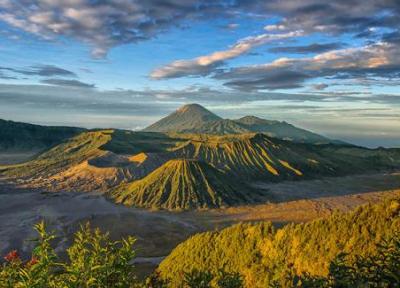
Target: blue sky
<point>333,68</point>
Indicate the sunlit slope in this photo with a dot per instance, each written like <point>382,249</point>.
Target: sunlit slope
<point>262,254</point>
<point>257,156</point>
<point>183,184</point>
<point>98,160</point>
<point>93,160</point>
<point>113,156</point>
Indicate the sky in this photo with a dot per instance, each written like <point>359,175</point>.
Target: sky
<point>332,67</point>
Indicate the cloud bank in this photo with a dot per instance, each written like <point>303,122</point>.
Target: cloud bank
<point>106,24</point>
<point>375,60</point>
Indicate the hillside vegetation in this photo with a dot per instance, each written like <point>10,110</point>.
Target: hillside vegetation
<point>183,184</point>
<point>87,162</point>
<point>123,161</point>
<point>16,136</point>
<point>185,170</point>
<point>259,255</point>
<point>264,255</point>
<point>257,156</point>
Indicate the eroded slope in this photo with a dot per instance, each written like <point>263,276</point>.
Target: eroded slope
<point>183,184</point>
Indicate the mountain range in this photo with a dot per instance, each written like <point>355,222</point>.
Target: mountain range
<point>179,168</point>
<point>195,119</point>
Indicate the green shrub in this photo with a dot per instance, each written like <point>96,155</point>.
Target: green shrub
<point>264,255</point>
<point>379,270</point>
<point>94,261</point>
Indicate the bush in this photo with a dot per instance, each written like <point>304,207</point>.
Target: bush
<point>93,261</point>
<point>379,270</point>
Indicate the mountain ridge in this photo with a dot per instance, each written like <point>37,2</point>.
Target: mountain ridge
<point>195,119</point>
<point>20,136</point>
<point>187,117</point>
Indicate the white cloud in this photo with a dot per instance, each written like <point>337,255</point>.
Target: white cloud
<point>381,59</point>
<point>275,27</point>
<point>204,65</point>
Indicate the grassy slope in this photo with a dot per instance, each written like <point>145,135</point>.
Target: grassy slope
<point>102,159</point>
<point>182,184</point>
<point>90,161</point>
<point>257,156</point>
<point>262,254</point>
<point>16,136</point>
<point>72,152</point>
<point>129,142</point>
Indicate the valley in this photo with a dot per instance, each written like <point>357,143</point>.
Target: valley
<point>188,173</point>
<point>158,231</point>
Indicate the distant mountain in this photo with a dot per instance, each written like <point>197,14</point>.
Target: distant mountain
<point>17,136</point>
<point>219,127</point>
<point>186,118</point>
<point>194,119</point>
<point>183,184</point>
<point>281,130</point>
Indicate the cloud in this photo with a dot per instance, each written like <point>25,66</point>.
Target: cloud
<point>6,77</point>
<point>67,83</point>
<point>334,17</point>
<point>298,18</point>
<point>279,79</point>
<point>128,102</point>
<point>205,65</point>
<point>103,24</point>
<point>41,70</point>
<point>376,60</point>
<point>231,26</point>
<point>106,24</point>
<point>312,48</point>
<point>320,86</point>
<point>92,108</point>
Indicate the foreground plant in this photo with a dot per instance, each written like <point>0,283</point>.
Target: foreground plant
<point>379,270</point>
<point>93,261</point>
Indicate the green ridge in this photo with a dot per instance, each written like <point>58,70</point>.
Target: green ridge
<point>257,156</point>
<point>103,159</point>
<point>17,136</point>
<point>63,156</point>
<point>262,254</point>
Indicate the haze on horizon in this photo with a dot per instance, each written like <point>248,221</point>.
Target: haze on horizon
<point>333,68</point>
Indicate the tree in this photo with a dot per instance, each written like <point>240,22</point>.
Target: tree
<point>379,270</point>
